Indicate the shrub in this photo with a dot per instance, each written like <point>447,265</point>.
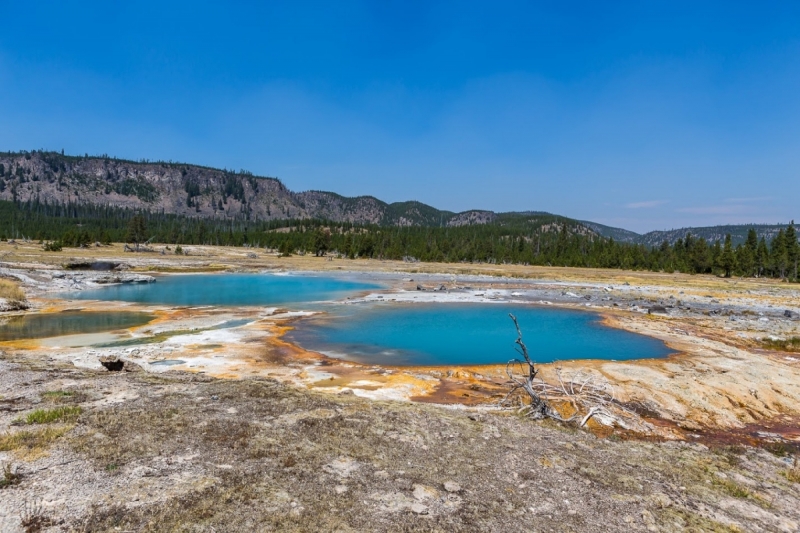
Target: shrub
<point>9,477</point>
<point>53,246</point>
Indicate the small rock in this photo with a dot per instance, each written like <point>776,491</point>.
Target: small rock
<point>661,500</point>
<point>403,483</point>
<point>452,486</point>
<point>418,508</point>
<point>342,467</point>
<point>649,520</point>
<point>340,489</point>
<point>424,492</point>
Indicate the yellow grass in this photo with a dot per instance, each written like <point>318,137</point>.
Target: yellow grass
<point>10,290</point>
<point>31,444</point>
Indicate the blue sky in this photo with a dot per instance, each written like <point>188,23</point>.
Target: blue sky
<point>644,115</point>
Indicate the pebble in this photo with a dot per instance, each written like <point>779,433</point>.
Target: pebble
<point>418,508</point>
<point>452,486</point>
<point>424,492</point>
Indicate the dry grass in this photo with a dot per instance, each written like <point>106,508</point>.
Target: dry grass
<point>9,476</point>
<point>731,488</point>
<point>30,444</point>
<point>33,518</point>
<point>10,291</point>
<point>793,474</point>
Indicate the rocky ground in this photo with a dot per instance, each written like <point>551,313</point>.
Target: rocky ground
<point>256,434</point>
<point>182,452</point>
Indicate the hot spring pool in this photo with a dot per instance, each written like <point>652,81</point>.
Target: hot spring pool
<point>229,289</point>
<point>467,334</point>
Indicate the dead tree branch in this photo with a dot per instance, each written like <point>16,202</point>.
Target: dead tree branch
<point>584,395</point>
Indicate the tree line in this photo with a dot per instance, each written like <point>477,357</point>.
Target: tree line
<point>540,240</point>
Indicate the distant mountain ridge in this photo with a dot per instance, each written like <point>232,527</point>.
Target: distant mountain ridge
<point>738,233</point>
<point>194,190</point>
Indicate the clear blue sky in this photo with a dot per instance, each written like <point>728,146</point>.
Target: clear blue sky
<point>644,115</point>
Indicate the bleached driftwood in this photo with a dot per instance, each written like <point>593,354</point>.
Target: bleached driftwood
<point>584,394</point>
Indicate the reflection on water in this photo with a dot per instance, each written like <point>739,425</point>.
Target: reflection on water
<point>40,326</point>
<point>467,334</point>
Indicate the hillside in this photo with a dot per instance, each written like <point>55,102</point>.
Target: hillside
<point>618,234</point>
<point>195,191</point>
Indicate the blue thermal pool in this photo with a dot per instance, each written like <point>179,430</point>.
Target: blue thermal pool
<point>229,289</point>
<point>467,334</point>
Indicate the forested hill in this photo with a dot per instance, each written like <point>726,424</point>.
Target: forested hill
<point>191,190</point>
<point>738,233</point>
<point>169,188</point>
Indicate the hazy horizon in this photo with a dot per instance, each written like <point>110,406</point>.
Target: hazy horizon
<point>641,116</point>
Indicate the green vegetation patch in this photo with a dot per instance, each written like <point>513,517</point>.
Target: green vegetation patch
<point>64,396</point>
<point>783,345</point>
<point>67,413</point>
<point>138,187</point>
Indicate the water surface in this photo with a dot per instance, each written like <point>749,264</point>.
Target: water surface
<point>229,289</point>
<point>69,323</point>
<point>468,334</point>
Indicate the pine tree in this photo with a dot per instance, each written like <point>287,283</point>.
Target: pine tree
<point>762,257</point>
<point>792,249</point>
<point>137,230</point>
<point>778,255</point>
<point>322,241</point>
<point>728,260</point>
<point>747,254</point>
